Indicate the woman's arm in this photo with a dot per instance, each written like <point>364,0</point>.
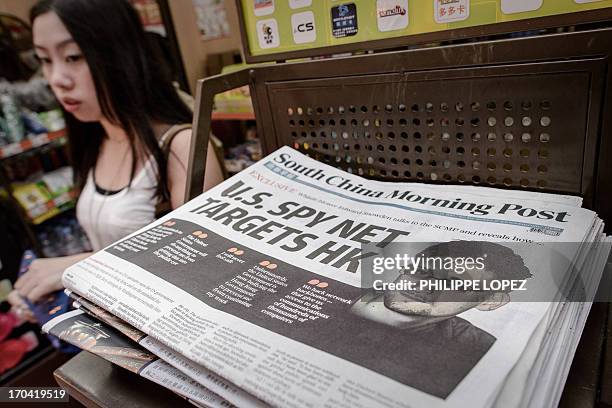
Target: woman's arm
<point>177,167</point>
<point>45,276</point>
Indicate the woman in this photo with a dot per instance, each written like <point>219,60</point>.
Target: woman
<point>120,111</point>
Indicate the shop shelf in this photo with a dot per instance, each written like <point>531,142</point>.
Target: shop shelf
<point>234,104</point>
<point>30,143</point>
<point>233,116</point>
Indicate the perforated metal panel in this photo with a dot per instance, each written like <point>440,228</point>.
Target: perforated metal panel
<point>467,127</point>
<point>526,113</point>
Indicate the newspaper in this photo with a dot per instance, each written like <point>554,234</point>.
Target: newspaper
<point>79,329</point>
<point>261,280</point>
<point>527,377</point>
<point>196,372</point>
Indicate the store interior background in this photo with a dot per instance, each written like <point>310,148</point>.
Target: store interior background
<point>45,222</point>
<point>37,217</point>
<point>195,52</point>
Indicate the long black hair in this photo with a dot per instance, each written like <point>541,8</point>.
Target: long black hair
<point>133,88</point>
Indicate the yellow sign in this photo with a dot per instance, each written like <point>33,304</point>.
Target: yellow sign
<point>281,26</point>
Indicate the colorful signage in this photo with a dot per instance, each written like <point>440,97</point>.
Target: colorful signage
<point>282,26</point>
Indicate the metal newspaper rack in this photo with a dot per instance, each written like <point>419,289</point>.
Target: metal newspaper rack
<point>530,113</point>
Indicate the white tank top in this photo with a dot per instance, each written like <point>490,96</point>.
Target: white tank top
<point>108,218</point>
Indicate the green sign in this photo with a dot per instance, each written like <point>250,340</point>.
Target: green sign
<point>280,26</point>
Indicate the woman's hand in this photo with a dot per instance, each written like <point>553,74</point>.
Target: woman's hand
<point>45,276</point>
<point>19,307</point>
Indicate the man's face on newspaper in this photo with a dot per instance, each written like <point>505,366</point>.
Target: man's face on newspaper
<point>436,301</point>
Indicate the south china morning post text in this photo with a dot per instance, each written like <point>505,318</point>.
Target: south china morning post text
<point>343,183</point>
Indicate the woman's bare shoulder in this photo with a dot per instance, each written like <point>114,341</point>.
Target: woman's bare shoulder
<point>179,146</point>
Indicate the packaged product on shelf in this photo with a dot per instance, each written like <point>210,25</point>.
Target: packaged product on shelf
<point>58,181</point>
<point>46,196</point>
<point>4,137</point>
<point>32,123</point>
<point>10,110</point>
<point>52,120</point>
<point>34,94</point>
<point>33,197</point>
<point>234,101</point>
<point>27,109</point>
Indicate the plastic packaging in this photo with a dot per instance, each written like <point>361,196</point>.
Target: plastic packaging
<point>11,113</point>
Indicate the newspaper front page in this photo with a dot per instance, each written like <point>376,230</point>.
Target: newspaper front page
<point>260,280</point>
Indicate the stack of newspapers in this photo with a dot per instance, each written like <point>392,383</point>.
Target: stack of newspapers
<point>296,284</point>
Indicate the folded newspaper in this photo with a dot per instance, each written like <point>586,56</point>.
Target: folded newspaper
<point>302,285</point>
<point>79,329</point>
<point>197,373</point>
